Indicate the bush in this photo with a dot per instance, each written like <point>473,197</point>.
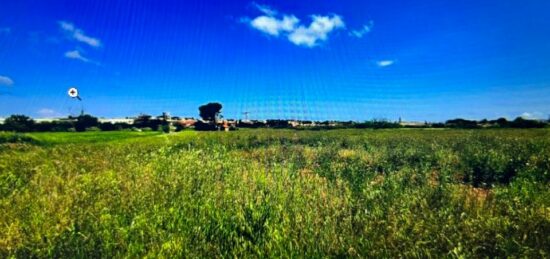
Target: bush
<point>15,138</point>
<point>167,128</point>
<point>107,126</point>
<point>201,126</point>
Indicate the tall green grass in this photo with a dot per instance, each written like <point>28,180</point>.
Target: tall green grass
<point>278,193</point>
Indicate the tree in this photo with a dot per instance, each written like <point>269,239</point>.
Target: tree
<point>107,126</point>
<point>462,124</point>
<point>502,123</point>
<point>203,126</point>
<point>165,122</point>
<point>279,124</point>
<point>520,122</point>
<point>210,112</point>
<point>85,121</point>
<point>142,121</point>
<point>147,121</point>
<point>19,123</point>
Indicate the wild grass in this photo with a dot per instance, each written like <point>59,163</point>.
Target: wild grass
<point>277,193</point>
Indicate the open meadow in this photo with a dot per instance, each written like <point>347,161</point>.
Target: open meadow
<point>276,193</point>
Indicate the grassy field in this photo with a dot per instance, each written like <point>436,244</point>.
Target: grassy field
<point>276,193</point>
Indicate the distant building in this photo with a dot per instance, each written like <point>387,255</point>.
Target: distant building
<point>297,123</point>
<point>186,122</point>
<point>226,125</point>
<point>40,120</point>
<point>117,120</point>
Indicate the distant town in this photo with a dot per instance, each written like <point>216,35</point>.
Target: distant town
<point>212,120</point>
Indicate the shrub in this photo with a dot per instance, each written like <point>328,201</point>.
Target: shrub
<point>15,138</point>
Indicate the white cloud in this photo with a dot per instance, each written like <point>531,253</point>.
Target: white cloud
<point>66,26</point>
<point>385,63</point>
<point>88,40</point>
<point>6,81</point>
<point>75,54</point>
<point>526,115</point>
<point>265,9</point>
<point>78,34</point>
<point>363,31</point>
<point>289,26</point>
<point>47,113</point>
<point>532,115</point>
<point>274,26</point>
<point>317,31</point>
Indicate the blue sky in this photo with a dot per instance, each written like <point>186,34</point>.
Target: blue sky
<point>335,60</point>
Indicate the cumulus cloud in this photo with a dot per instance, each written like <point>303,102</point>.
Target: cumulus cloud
<point>265,9</point>
<point>532,115</point>
<point>317,31</point>
<point>274,26</point>
<point>363,31</point>
<point>6,81</point>
<point>75,54</point>
<point>385,63</point>
<point>78,35</point>
<point>289,26</point>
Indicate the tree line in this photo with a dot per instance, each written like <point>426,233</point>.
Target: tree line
<point>519,122</point>
<point>86,122</point>
<point>210,114</point>
<point>213,120</point>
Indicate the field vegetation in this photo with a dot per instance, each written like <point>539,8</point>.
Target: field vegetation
<point>276,193</point>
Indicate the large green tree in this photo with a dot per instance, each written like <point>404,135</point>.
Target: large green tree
<point>19,123</point>
<point>210,111</point>
<point>85,121</point>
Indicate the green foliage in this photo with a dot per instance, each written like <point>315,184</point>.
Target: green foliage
<point>167,128</point>
<point>15,138</point>
<point>147,122</point>
<point>276,193</point>
<point>85,121</point>
<point>18,123</point>
<point>210,111</point>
